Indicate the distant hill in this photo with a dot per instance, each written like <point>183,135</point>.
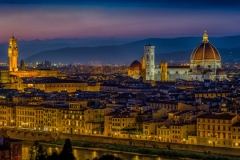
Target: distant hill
<point>28,48</point>
<point>166,49</point>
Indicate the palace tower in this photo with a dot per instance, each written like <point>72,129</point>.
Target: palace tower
<point>13,55</point>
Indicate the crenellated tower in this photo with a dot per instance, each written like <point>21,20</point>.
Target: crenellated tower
<point>22,65</point>
<point>13,55</point>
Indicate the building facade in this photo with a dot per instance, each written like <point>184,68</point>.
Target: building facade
<point>205,63</point>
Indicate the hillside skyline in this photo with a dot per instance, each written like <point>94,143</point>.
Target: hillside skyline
<point>80,49</point>
<point>164,50</point>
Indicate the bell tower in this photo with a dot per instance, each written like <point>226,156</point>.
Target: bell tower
<point>149,55</point>
<point>13,54</point>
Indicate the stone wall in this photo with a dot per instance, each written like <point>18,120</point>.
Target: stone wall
<point>32,136</point>
<point>148,143</point>
<point>28,135</point>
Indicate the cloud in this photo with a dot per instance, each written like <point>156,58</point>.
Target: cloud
<point>43,21</point>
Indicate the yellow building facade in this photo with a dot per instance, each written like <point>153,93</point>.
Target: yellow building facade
<point>8,116</point>
<point>215,129</point>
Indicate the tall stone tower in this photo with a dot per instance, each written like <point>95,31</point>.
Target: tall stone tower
<point>22,65</point>
<point>149,55</point>
<point>163,71</point>
<point>13,55</point>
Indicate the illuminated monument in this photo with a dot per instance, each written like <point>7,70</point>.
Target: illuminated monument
<point>205,63</point>
<point>12,75</point>
<point>149,56</point>
<point>13,55</point>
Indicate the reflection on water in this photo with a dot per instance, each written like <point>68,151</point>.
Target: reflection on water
<point>85,154</point>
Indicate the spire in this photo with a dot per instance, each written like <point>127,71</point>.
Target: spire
<point>12,35</point>
<point>205,37</point>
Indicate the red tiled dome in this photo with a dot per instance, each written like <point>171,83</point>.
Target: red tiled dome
<point>205,51</point>
<point>135,65</point>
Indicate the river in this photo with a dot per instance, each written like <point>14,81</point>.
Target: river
<point>89,154</point>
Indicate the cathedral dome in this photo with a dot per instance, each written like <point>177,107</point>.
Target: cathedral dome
<point>135,65</point>
<point>205,51</point>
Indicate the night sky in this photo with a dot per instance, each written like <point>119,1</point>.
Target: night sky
<point>47,19</point>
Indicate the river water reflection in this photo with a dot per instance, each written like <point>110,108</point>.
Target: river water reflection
<point>89,154</point>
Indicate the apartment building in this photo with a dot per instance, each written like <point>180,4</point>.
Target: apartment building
<point>216,129</point>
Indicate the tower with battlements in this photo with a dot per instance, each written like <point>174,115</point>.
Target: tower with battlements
<point>13,54</point>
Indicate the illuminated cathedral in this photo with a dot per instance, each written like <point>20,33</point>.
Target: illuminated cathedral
<point>205,63</point>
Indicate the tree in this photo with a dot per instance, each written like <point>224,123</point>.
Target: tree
<point>67,152</point>
<point>54,155</point>
<point>108,157</point>
<point>37,152</point>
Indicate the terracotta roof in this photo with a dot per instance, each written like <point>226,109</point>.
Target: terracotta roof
<point>217,116</point>
<point>135,65</point>
<point>205,51</point>
<point>237,124</point>
<point>220,71</point>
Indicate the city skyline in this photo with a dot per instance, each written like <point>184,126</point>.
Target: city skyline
<point>118,19</point>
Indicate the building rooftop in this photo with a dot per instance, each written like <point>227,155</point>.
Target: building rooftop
<point>217,116</point>
<point>237,124</point>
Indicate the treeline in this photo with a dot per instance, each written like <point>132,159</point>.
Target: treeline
<point>37,152</point>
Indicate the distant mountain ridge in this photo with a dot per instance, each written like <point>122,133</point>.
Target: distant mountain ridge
<point>28,48</point>
<point>176,49</point>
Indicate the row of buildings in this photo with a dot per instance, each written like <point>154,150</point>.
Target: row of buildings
<point>206,114</point>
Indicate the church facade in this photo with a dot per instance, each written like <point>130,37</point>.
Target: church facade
<point>205,63</point>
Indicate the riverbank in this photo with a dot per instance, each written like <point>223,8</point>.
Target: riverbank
<point>167,153</point>
<point>110,143</point>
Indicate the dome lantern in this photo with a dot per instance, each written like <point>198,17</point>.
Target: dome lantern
<point>205,37</point>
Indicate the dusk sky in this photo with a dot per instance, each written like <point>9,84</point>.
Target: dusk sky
<point>119,19</point>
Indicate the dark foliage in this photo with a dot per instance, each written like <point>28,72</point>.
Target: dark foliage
<point>53,156</point>
<point>38,153</point>
<point>108,157</point>
<point>67,151</point>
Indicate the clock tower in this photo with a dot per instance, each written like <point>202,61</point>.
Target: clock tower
<point>149,55</point>
<point>13,55</point>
